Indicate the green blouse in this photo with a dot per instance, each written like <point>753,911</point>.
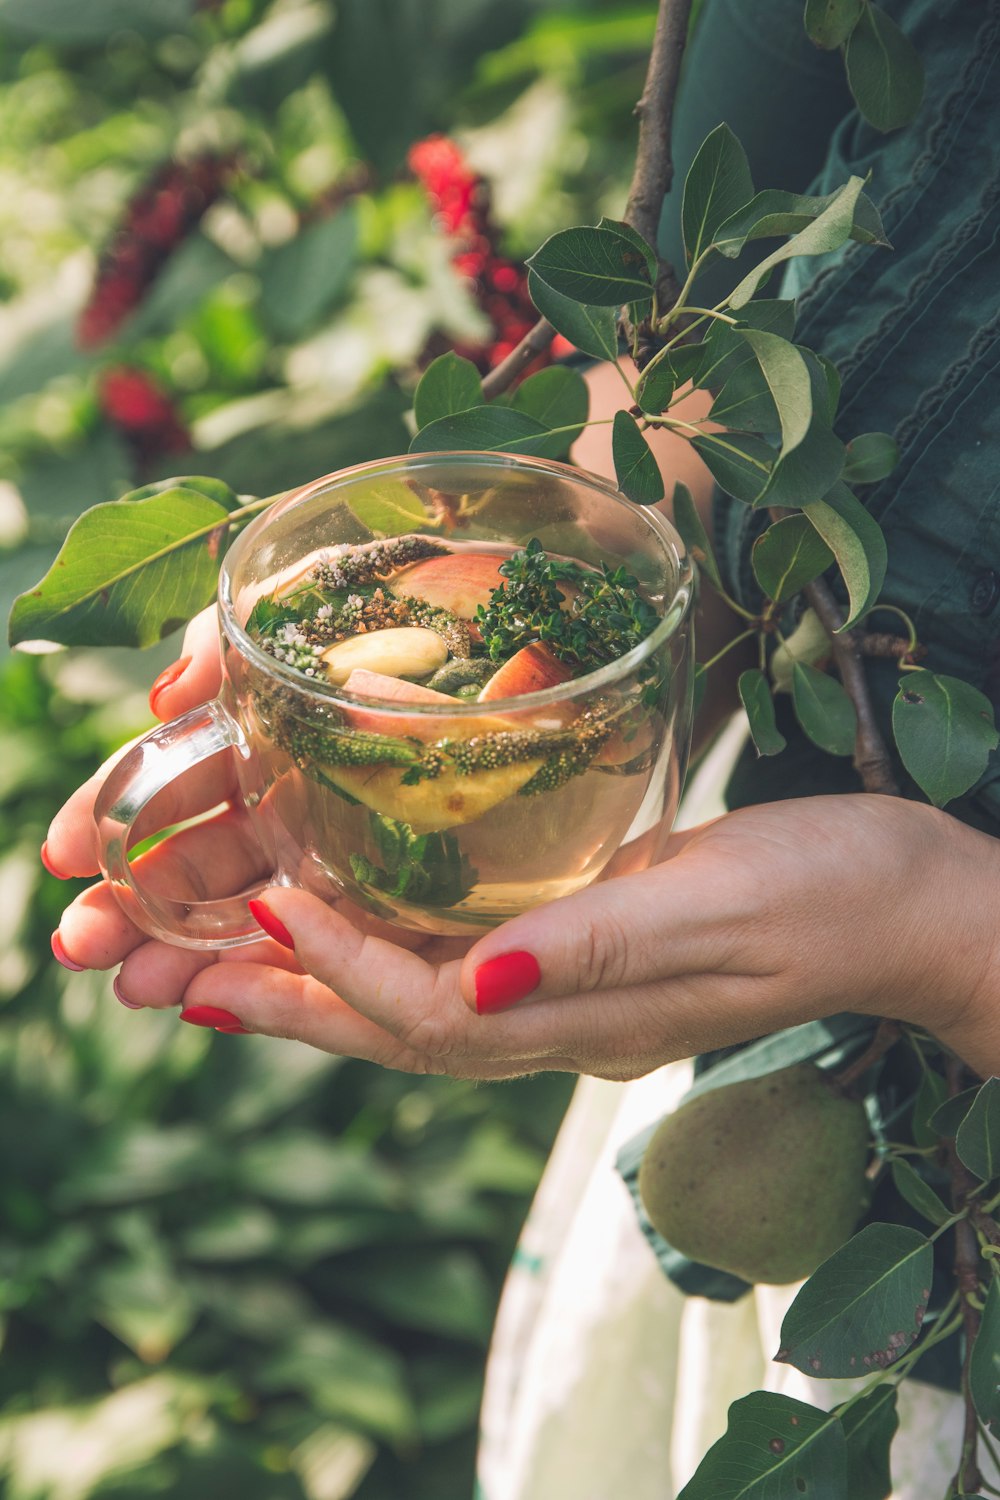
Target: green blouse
<point>914,331</point>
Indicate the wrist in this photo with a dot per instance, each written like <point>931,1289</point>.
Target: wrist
<point>952,969</point>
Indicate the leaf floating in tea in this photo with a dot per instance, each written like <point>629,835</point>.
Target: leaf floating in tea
<point>429,867</point>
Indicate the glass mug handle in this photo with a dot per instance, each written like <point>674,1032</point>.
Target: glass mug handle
<point>148,768</point>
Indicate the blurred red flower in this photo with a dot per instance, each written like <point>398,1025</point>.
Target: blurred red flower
<point>461,201</point>
<point>143,412</point>
<point>157,218</point>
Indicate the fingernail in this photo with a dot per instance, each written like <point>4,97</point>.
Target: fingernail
<point>504,980</point>
<point>128,1004</point>
<point>59,952</point>
<point>167,679</point>
<point>43,855</point>
<point>216,1018</point>
<point>271,924</point>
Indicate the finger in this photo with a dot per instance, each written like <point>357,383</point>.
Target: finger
<point>679,917</point>
<point>277,1003</point>
<point>219,857</point>
<point>417,1003</point>
<point>156,976</point>
<point>196,676</point>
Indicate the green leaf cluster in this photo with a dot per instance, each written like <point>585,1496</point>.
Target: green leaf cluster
<point>884,70</point>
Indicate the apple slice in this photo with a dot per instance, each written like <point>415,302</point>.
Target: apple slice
<point>420,726</point>
<point>530,670</point>
<point>457,581</point>
<point>432,805</point>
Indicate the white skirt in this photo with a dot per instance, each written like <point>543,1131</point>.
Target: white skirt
<point>603,1380</point>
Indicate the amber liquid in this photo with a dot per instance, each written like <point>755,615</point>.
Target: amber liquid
<point>464,878</point>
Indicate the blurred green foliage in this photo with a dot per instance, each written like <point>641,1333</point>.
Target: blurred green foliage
<point>227,1265</point>
<point>230,1266</point>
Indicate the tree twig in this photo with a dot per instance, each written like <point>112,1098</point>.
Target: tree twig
<point>534,343</point>
<point>654,166</point>
<point>967,1478</point>
<point>871,756</point>
<point>887,1034</point>
<point>651,179</point>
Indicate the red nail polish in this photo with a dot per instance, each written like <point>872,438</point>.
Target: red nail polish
<point>214,1016</point>
<point>504,980</point>
<point>59,952</point>
<point>43,855</point>
<point>272,925</point>
<point>167,679</point>
<point>128,1004</point>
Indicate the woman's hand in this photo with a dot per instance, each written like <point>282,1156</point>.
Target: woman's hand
<point>762,919</point>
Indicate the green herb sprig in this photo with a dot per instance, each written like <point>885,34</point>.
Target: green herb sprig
<point>600,619</point>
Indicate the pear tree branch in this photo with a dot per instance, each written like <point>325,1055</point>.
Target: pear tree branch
<point>871,755</point>
<point>651,180</point>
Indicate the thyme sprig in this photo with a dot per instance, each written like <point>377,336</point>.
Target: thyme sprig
<point>596,617</point>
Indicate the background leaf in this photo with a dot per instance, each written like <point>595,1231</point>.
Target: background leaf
<point>755,695</point>
<point>741,463</point>
<point>977,1140</point>
<point>665,372</point>
<point>717,184</point>
<point>932,1093</point>
<point>944,732</point>
<point>450,384</point>
<point>864,1306</point>
<point>869,1427</point>
<point>496,428</point>
<point>789,554</point>
<point>63,21</point>
<point>870,457</point>
<point>303,278</point>
<point>787,378</point>
<point>828,232</point>
<point>693,534</point>
<point>388,507</point>
<point>946,1119</point>
<point>918,1194</point>
<point>592,330</point>
<point>807,473</point>
<point>590,265</point>
<point>129,573</point>
<point>558,398</point>
<point>830,22</point>
<point>636,469</point>
<point>773,212</point>
<point>856,541</point>
<point>625,230</point>
<point>884,71</point>
<point>726,351</point>
<point>984,1364</point>
<point>824,709</point>
<point>774,1448</point>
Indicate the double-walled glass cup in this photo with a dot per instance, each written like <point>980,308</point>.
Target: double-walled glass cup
<point>508,822</point>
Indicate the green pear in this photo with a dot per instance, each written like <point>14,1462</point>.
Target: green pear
<point>763,1178</point>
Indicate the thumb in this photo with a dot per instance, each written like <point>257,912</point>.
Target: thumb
<point>196,675</point>
<point>625,932</point>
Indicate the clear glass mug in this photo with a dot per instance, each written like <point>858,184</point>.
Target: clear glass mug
<point>460,853</point>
